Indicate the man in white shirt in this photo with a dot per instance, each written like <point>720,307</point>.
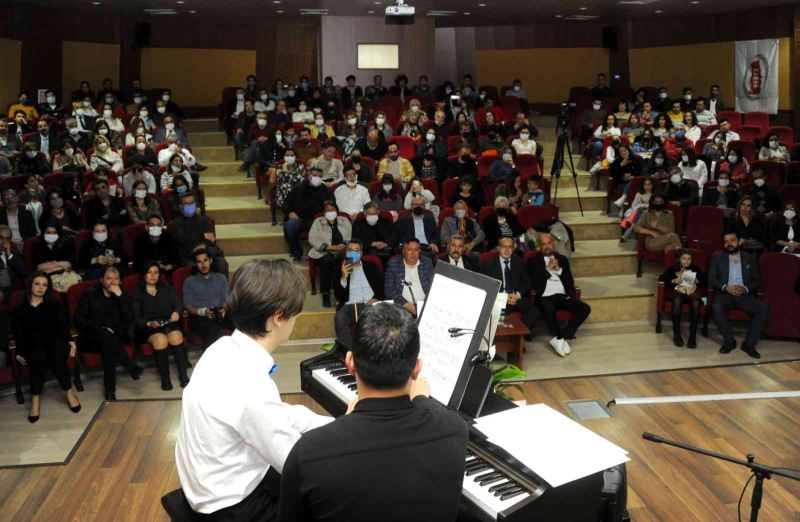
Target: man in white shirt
<point>455,254</point>
<point>725,130</point>
<point>174,147</point>
<point>554,285</point>
<point>351,197</point>
<point>331,166</point>
<point>704,116</point>
<point>235,432</point>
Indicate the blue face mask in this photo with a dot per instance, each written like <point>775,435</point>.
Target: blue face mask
<point>189,210</point>
<point>353,257</point>
<point>180,189</point>
<point>680,134</point>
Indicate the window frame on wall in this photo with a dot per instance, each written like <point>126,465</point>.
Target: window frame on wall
<point>370,67</point>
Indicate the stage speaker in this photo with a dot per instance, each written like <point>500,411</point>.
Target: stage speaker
<point>610,38</point>
<point>142,34</point>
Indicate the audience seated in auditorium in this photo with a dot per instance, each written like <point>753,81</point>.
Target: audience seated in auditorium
<point>430,161</point>
<point>25,106</point>
<point>192,228</point>
<point>552,281</point>
<point>657,225</point>
<point>734,277</point>
<point>154,245</point>
<point>715,104</point>
<point>466,227</point>
<point>590,117</point>
<point>70,158</point>
<point>725,131</point>
<point>138,173</point>
<point>418,189</point>
<point>158,315</point>
<point>372,146</point>
<point>715,149</point>
<point>351,196</point>
<point>327,237</point>
<point>62,217</point>
<point>503,167</point>
<point>98,252</point>
<point>456,254</point>
<point>534,195</point>
<point>31,161</point>
<point>105,156</point>
<point>104,319</point>
<point>394,164</point>
<point>785,231</point>
<point>306,148</point>
<point>331,167</point>
<point>288,175</point>
<point>692,168</point>
<point>683,289</point>
<point>9,143</point>
<point>387,197</point>
<point>54,255</point>
<point>19,219</point>
<point>705,117</point>
<point>681,191</point>
<point>377,233</point>
<point>136,128</point>
<point>510,271</point>
<point>601,90</point>
<point>722,195</point>
<point>634,128</point>
<point>502,223</point>
<point>748,227</point>
<point>772,150</point>
<point>45,140</point>
<point>105,207</point>
<point>204,295</point>
<point>420,225</point>
<point>624,168</point>
<point>413,268</point>
<point>766,200</point>
<point>141,204</point>
<point>304,202</point>
<point>175,169</point>
<point>41,332</point>
<point>359,286</point>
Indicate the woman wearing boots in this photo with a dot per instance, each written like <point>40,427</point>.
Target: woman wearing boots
<point>684,290</point>
<point>159,313</point>
<point>41,332</point>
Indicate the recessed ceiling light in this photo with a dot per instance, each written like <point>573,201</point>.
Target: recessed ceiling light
<point>192,11</point>
<point>559,16</point>
<point>280,11</point>
<point>95,3</point>
<point>376,3</point>
<point>276,1</point>
<point>467,13</point>
<point>583,8</point>
<point>180,2</point>
<point>659,11</point>
<point>695,2</point>
<point>481,5</point>
<point>370,12</point>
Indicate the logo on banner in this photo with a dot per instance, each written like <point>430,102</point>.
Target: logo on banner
<point>755,78</point>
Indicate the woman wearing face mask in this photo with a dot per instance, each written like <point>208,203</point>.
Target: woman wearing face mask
<point>105,156</point>
<point>328,238</point>
<point>659,162</point>
<point>289,174</point>
<point>503,223</point>
<point>31,162</point>
<point>179,187</point>
<point>303,114</point>
<point>141,204</point>
<point>387,198</point>
<point>646,144</point>
<point>361,113</point>
<point>320,130</point>
<point>54,255</point>
<point>174,170</point>
<point>750,230</point>
<point>412,128</point>
<point>683,289</point>
<point>381,125</point>
<point>503,166</point>
<point>137,128</point>
<point>657,225</point>
<point>60,215</point>
<point>114,123</point>
<point>786,230</point>
<point>141,153</point>
<point>773,150</point>
<point>737,165</point>
<point>414,107</point>
<point>101,128</point>
<point>99,251</point>
<point>70,159</point>
<point>692,168</point>
<point>264,103</point>
<point>715,149</point>
<point>428,165</point>
<point>524,144</point>
<point>723,195</point>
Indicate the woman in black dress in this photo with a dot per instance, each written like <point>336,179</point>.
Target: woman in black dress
<point>41,333</point>
<point>683,292</point>
<point>158,314</point>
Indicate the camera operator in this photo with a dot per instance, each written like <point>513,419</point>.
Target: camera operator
<point>204,297</point>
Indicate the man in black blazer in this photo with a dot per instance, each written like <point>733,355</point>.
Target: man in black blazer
<point>455,254</point>
<point>24,226</point>
<point>509,270</point>
<point>351,92</point>
<point>734,277</point>
<point>398,455</point>
<point>360,286</point>
<point>553,283</point>
<point>45,141</point>
<point>406,226</point>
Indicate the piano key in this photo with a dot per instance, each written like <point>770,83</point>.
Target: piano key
<point>505,489</point>
<point>492,480</point>
<point>491,474</point>
<point>332,384</point>
<point>498,486</point>
<point>513,493</point>
<point>477,469</point>
<point>337,372</point>
<point>488,502</point>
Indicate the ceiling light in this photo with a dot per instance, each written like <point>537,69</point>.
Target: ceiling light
<point>95,3</point>
<point>280,11</point>
<point>467,13</point>
<point>481,5</point>
<point>376,3</point>
<point>559,16</point>
<point>583,8</point>
<point>276,1</point>
<point>192,11</point>
<point>180,2</point>
<point>659,11</point>
<point>370,12</point>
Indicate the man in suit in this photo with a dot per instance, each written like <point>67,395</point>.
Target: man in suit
<point>168,130</point>
<point>455,254</point>
<point>734,277</point>
<point>45,141</point>
<point>509,270</point>
<point>9,144</point>
<point>553,283</point>
<point>351,92</point>
<point>421,226</point>
<point>360,286</point>
<point>82,139</point>
<point>396,456</point>
<point>18,219</point>
<point>715,104</point>
<point>412,269</point>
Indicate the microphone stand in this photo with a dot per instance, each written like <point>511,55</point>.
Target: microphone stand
<point>760,471</point>
<point>411,291</point>
<point>482,357</point>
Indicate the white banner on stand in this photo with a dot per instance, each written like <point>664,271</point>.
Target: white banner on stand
<point>756,76</point>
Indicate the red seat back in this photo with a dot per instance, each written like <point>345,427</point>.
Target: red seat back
<point>179,277</point>
<point>785,134</point>
<point>74,296</point>
<point>529,216</point>
<point>747,148</point>
<point>777,270</point>
<point>407,147</point>
<point>129,235</point>
<point>750,132</point>
<point>759,119</point>
<point>732,116</point>
<point>486,256</point>
<point>705,228</point>
<point>449,187</point>
<point>790,193</point>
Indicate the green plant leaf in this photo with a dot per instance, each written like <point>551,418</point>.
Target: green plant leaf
<point>327,347</point>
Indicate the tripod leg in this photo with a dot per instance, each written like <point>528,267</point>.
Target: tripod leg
<point>574,176</point>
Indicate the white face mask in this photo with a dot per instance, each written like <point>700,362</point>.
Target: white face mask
<point>675,179</point>
<point>773,144</point>
<point>176,168</point>
<point>461,213</point>
<point>387,187</point>
<point>330,216</point>
<point>169,126</point>
<point>662,95</point>
<point>141,146</point>
<point>161,110</point>
<point>507,157</point>
<point>106,113</point>
<point>414,108</point>
<point>789,214</point>
<point>165,97</point>
<point>687,97</point>
<point>278,138</point>
<point>659,161</point>
<point>102,147</point>
<point>732,159</point>
<point>316,181</point>
<point>50,238</point>
<point>289,160</point>
<point>103,132</point>
<point>759,182</point>
<point>351,121</point>
<point>351,183</point>
<point>154,231</point>
<point>380,121</point>
<point>51,100</point>
<point>372,219</point>
<point>73,131</point>
<point>319,123</point>
<point>263,97</point>
<point>724,182</point>
<point>685,158</point>
<point>596,106</point>
<point>290,92</point>
<point>30,153</point>
<point>262,122</point>
<point>140,193</point>
<point>430,137</point>
<point>87,104</point>
<point>359,110</point>
<point>69,152</point>
<point>137,101</point>
<point>100,236</point>
<point>112,190</point>
<point>524,136</point>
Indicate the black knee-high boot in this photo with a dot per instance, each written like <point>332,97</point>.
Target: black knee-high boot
<point>162,363</point>
<point>182,362</point>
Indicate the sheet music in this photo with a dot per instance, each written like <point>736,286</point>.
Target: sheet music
<point>450,304</point>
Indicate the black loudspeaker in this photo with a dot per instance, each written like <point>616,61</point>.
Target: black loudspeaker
<point>610,38</point>
<point>142,33</point>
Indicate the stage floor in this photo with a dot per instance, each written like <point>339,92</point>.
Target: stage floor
<point>125,462</point>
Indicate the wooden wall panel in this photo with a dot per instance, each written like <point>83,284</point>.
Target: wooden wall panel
<point>10,58</point>
<point>339,36</point>
<point>75,68</point>
<point>543,35</point>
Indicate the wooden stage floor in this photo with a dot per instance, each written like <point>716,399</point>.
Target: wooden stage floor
<point>125,463</point>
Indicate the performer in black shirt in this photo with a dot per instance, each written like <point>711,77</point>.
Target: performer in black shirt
<point>398,456</point>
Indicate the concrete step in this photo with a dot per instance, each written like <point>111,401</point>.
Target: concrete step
<point>222,168</point>
<point>215,153</point>
<point>200,125</point>
<point>232,187</point>
<point>602,257</point>
<point>591,200</point>
<point>232,210</point>
<point>619,297</point>
<point>249,239</point>
<point>592,225</point>
<point>208,139</point>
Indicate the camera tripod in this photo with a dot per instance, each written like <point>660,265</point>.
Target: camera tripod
<point>563,146</point>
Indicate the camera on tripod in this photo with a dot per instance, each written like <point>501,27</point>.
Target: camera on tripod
<point>564,116</point>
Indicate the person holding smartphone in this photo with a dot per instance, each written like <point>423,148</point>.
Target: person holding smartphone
<point>360,286</point>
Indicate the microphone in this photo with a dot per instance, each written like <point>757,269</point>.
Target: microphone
<point>411,291</point>
<point>454,330</point>
<point>653,438</point>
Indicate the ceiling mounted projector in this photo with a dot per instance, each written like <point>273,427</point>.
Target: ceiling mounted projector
<point>400,9</point>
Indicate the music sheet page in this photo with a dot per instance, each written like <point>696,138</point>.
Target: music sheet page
<point>450,304</point>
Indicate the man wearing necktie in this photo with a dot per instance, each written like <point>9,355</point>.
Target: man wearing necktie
<point>509,270</point>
